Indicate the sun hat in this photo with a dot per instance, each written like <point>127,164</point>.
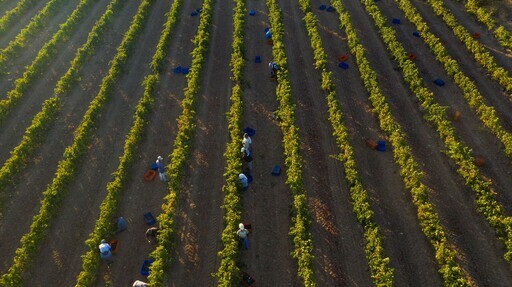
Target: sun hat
<point>243,149</point>
<point>241,226</point>
<point>160,158</point>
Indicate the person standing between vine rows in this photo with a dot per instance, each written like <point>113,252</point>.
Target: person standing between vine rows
<point>247,142</point>
<point>105,253</point>
<point>161,168</point>
<point>242,236</point>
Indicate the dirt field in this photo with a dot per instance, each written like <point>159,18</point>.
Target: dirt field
<point>339,254</point>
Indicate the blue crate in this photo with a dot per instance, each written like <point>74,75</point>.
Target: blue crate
<point>149,218</point>
<point>257,59</point>
<point>322,7</point>
<point>381,146</point>
<point>250,131</point>
<point>439,82</point>
<point>252,12</point>
<point>343,65</point>
<point>249,176</point>
<point>329,9</point>
<point>276,170</point>
<point>178,70</point>
<point>144,269</point>
<point>416,34</point>
<point>395,21</point>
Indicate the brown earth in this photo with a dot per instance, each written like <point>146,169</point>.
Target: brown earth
<point>266,205</point>
<point>337,237</point>
<point>12,128</point>
<point>17,63</point>
<point>16,26</point>
<point>24,197</point>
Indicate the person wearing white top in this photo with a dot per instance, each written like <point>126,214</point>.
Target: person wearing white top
<point>105,253</point>
<point>242,235</point>
<point>247,141</point>
<point>244,181</point>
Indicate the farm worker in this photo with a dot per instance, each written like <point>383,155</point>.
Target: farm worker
<point>272,66</point>
<point>247,141</point>
<point>244,181</point>
<point>152,233</point>
<point>242,235</point>
<point>121,224</point>
<point>161,168</point>
<point>105,253</point>
<point>139,283</point>
<point>246,155</point>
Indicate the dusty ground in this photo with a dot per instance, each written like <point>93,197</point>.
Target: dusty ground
<point>337,237</point>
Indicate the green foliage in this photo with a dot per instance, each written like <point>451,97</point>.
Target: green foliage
<point>14,14</point>
<point>55,192</point>
<point>409,168</point>
<point>486,203</point>
<point>455,149</point>
<point>36,132</point>
<point>182,143</point>
<point>301,236</point>
<point>108,208</point>
<point>43,59</point>
<point>229,273</point>
<point>473,97</point>
<point>479,52</point>
<point>34,26</point>
<point>381,271</point>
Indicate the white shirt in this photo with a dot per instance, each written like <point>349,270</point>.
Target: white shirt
<point>104,247</point>
<point>247,142</point>
<point>243,179</point>
<point>242,233</point>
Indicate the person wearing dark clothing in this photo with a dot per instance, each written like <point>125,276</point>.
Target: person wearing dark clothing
<point>151,234</point>
<point>161,168</point>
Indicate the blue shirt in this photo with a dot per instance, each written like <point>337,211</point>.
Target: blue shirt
<point>161,168</point>
<point>243,179</point>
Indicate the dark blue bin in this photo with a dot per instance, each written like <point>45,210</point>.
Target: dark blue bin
<point>185,71</point>
<point>250,131</point>
<point>330,9</point>
<point>343,65</point>
<point>416,34</point>
<point>144,269</point>
<point>322,7</point>
<point>249,176</point>
<point>149,218</point>
<point>276,170</point>
<point>257,59</point>
<point>395,21</point>
<point>381,146</point>
<point>178,70</point>
<point>252,12</point>
<point>439,82</point>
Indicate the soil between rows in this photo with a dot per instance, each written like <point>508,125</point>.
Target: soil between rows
<point>337,237</point>
<point>24,198</point>
<point>13,127</point>
<point>18,62</point>
<point>266,205</point>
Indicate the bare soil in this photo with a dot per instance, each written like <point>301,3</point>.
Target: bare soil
<point>337,236</point>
